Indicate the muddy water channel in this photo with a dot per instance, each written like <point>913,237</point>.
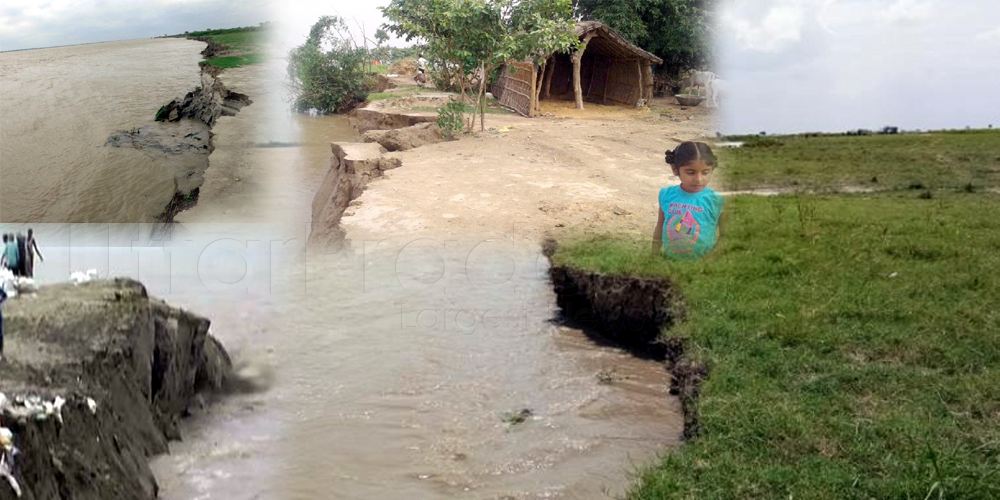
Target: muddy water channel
<point>437,371</point>
<point>60,105</point>
<point>406,373</point>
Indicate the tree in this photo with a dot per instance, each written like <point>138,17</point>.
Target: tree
<point>677,31</point>
<point>381,52</point>
<point>475,37</point>
<point>331,80</point>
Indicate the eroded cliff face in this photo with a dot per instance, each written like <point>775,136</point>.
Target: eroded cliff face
<point>127,365</point>
<point>353,166</point>
<point>207,102</point>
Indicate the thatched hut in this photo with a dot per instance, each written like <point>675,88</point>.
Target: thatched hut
<point>606,68</point>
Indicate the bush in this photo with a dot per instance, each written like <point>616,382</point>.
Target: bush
<point>762,142</point>
<point>445,80</point>
<point>332,81</point>
<point>450,118</point>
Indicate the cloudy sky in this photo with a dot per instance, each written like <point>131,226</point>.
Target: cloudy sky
<point>33,24</point>
<point>833,65</point>
<point>298,16</point>
<point>28,24</point>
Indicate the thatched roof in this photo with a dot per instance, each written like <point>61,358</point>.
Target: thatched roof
<point>607,41</point>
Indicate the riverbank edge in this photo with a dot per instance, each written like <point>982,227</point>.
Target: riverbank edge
<point>384,136</point>
<point>128,366</point>
<point>206,103</point>
<point>632,312</point>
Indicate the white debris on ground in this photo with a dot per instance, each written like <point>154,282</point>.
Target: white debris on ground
<point>23,408</point>
<point>7,452</point>
<point>729,144</point>
<point>32,407</point>
<point>77,277</point>
<point>7,282</point>
<point>15,285</point>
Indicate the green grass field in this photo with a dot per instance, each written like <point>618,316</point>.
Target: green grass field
<point>932,160</point>
<point>237,61</point>
<point>247,43</point>
<point>853,340</point>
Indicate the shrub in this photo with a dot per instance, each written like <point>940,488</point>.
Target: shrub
<point>450,118</point>
<point>331,81</point>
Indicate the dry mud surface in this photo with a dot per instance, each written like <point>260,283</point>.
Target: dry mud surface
<point>599,169</point>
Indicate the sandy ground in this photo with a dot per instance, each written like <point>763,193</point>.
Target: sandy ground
<point>564,172</point>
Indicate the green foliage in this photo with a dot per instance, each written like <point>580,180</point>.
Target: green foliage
<point>332,81</point>
<point>161,114</point>
<point>450,118</point>
<point>237,61</point>
<point>762,142</point>
<point>677,31</point>
<point>247,29</point>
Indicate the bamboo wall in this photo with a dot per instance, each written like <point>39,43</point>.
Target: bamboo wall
<point>518,88</point>
<point>624,83</point>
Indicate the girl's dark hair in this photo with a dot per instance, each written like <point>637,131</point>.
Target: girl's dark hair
<point>688,152</point>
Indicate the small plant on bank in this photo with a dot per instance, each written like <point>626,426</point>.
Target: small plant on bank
<point>450,118</point>
<point>164,111</point>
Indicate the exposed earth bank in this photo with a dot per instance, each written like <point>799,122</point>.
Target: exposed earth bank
<point>128,367</point>
<point>633,312</point>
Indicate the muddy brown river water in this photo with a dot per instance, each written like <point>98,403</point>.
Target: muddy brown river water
<point>61,104</point>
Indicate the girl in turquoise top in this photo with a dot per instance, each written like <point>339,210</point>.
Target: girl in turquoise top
<point>689,213</point>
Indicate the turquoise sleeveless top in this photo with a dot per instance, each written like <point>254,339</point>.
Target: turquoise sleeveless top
<point>689,223</point>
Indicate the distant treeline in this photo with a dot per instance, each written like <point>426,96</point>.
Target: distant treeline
<point>210,32</point>
<point>859,132</point>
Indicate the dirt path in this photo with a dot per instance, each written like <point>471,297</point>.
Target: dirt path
<point>565,171</point>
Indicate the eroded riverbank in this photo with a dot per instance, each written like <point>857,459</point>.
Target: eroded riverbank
<point>127,367</point>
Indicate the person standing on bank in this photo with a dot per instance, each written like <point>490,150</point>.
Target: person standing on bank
<point>3,298</point>
<point>690,214</point>
<point>31,249</point>
<point>10,260</point>
<point>21,253</point>
<point>421,77</point>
